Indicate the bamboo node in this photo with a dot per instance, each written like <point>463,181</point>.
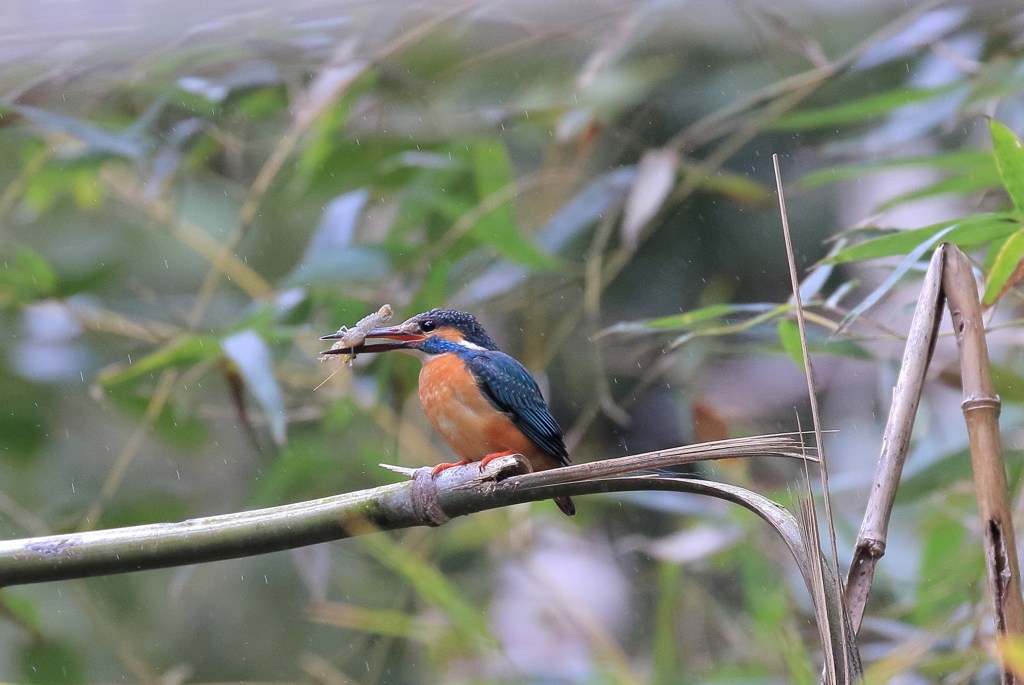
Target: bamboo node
<point>977,403</point>
<point>874,547</point>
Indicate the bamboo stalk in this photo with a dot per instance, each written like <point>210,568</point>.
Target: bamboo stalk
<point>981,412</point>
<point>906,396</point>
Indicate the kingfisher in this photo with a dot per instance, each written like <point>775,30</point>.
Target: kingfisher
<point>483,402</point>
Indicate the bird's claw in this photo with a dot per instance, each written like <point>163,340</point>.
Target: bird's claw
<point>491,457</point>
<point>446,465</point>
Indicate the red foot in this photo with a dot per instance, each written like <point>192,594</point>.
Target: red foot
<point>487,460</point>
<point>441,467</point>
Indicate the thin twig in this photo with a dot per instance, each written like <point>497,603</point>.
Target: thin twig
<point>592,309</point>
<point>815,414</point>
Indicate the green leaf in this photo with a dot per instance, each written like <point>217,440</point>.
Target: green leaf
<point>187,349</point>
<point>957,185</point>
<point>903,267</point>
<point>148,507</point>
<point>1010,160</point>
<point>22,436</point>
<point>950,468</point>
<point>433,587</point>
<point>964,162</point>
<point>1005,267</point>
<point>870,106</point>
<point>52,662</point>
<point>952,563</point>
<point>741,189</point>
<point>175,424</point>
<point>387,622</point>
<point>21,611</point>
<point>497,229</point>
<point>969,231</point>
<point>300,471</point>
<point>789,334</point>
<point>953,468</point>
<point>78,180</point>
<point>24,277</point>
<point>842,348</point>
<point>688,320</point>
<point>1008,384</point>
<point>664,659</point>
<point>434,288</point>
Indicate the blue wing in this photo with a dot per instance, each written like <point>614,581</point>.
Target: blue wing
<point>512,391</point>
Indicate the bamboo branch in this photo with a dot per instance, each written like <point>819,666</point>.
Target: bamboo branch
<point>981,412</point>
<point>906,396</point>
<point>424,501</point>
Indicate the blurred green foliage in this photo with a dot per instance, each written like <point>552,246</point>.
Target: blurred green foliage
<point>181,220</point>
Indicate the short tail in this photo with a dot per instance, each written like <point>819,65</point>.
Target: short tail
<point>566,505</point>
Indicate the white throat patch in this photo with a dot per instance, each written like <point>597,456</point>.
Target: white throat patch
<point>471,346</point>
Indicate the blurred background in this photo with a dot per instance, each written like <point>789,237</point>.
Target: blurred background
<point>192,193</point>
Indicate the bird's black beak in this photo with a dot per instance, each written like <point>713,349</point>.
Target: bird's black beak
<point>406,340</point>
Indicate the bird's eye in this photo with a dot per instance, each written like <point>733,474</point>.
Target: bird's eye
<point>428,325</point>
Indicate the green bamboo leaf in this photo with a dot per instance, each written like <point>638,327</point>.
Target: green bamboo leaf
<point>947,544</point>
<point>949,469</point>
<point>741,189</point>
<point>903,267</point>
<point>1008,384</point>
<point>841,348</point>
<point>963,162</point>
<point>433,587</point>
<point>187,349</point>
<point>24,277</point>
<point>1010,161</point>
<point>686,321</point>
<point>970,231</point>
<point>387,622</point>
<point>51,661</point>
<point>850,112</point>
<point>982,179</point>
<point>22,612</point>
<point>497,229</point>
<point>789,334</point>
<point>663,658</point>
<point>1004,271</point>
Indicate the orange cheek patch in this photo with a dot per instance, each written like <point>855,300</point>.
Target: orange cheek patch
<point>450,334</point>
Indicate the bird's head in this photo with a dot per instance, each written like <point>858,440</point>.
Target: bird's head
<point>417,333</point>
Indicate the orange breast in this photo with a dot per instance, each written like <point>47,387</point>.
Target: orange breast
<point>467,421</point>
